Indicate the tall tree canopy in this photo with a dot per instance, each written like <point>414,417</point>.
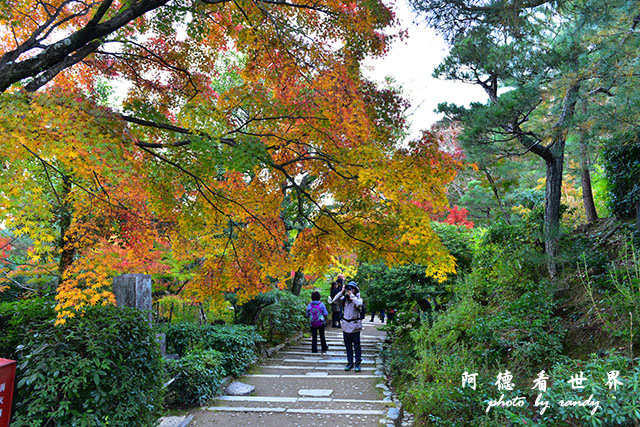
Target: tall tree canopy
<point>248,144</point>
<point>551,69</point>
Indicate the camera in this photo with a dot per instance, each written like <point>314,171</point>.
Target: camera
<point>347,288</point>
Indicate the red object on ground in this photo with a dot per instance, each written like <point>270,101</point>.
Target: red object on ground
<point>7,376</point>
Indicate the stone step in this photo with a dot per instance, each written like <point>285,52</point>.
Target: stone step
<point>332,346</point>
<point>295,387</point>
<point>340,340</point>
<point>310,370</point>
<point>336,344</point>
<point>283,417</point>
<point>329,353</point>
<point>269,369</point>
<point>344,374</point>
<point>310,405</point>
<point>295,402</point>
<point>348,385</point>
<point>316,360</point>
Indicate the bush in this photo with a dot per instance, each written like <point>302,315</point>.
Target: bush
<point>17,320</point>
<point>236,343</point>
<point>502,314</point>
<point>284,317</point>
<point>101,368</point>
<point>622,167</point>
<point>197,377</point>
<point>619,407</point>
<point>386,288</point>
<point>182,337</point>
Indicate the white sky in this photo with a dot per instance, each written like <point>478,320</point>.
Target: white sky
<point>411,63</point>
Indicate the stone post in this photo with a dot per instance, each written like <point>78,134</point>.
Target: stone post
<point>133,290</point>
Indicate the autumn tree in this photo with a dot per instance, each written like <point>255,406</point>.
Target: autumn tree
<point>234,114</point>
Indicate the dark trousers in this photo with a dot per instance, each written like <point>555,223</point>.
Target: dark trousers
<point>373,315</point>
<point>335,319</point>
<point>314,339</point>
<point>352,342</point>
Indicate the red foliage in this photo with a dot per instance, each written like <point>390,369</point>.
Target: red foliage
<point>458,216</point>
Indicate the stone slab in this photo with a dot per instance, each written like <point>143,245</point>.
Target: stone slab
<point>315,399</point>
<point>244,409</point>
<point>280,399</point>
<point>393,414</point>
<point>176,421</point>
<point>237,388</point>
<point>315,392</point>
<point>364,361</point>
<point>382,386</point>
<point>354,375</point>
<point>277,399</point>
<point>324,368</point>
<point>337,411</point>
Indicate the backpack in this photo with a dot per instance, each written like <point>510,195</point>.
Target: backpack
<point>316,316</point>
<point>363,311</point>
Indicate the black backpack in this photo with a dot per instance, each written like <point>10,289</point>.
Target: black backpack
<point>363,311</point>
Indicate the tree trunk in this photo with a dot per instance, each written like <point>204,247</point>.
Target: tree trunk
<point>553,192</point>
<point>67,249</point>
<point>495,193</point>
<point>202,316</point>
<point>587,194</point>
<point>297,282</point>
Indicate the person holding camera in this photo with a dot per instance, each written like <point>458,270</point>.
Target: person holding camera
<point>351,323</point>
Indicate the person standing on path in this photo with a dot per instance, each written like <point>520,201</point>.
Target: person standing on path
<point>317,314</point>
<point>335,306</point>
<point>351,323</point>
<point>373,315</point>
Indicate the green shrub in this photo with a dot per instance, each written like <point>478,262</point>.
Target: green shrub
<point>390,288</point>
<point>502,314</point>
<point>619,407</point>
<point>523,332</point>
<point>438,398</point>
<point>17,320</point>
<point>197,377</point>
<point>101,368</point>
<point>400,357</point>
<point>237,344</point>
<point>622,168</point>
<point>284,317</point>
<point>182,337</point>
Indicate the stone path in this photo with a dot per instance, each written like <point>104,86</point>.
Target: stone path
<point>295,387</point>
